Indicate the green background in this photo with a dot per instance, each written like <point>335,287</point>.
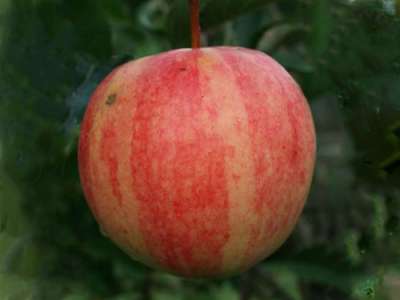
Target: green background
<point>346,57</point>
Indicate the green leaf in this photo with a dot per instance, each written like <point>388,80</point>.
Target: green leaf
<point>14,287</point>
<point>213,13</point>
<point>352,247</point>
<point>288,282</point>
<point>279,34</point>
<point>315,272</point>
<point>379,217</point>
<point>165,295</point>
<point>127,296</point>
<point>225,292</point>
<point>78,296</point>
<point>321,27</point>
<point>179,32</point>
<point>12,220</point>
<point>367,288</point>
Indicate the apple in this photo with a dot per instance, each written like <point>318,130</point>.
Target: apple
<point>198,161</point>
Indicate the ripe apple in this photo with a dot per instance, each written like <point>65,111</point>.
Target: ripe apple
<point>198,161</point>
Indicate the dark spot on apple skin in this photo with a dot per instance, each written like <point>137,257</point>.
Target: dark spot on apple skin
<point>111,99</point>
<point>182,69</point>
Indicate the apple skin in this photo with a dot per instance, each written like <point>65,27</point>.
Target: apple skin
<point>198,161</point>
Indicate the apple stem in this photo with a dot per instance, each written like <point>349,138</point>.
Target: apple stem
<point>195,23</point>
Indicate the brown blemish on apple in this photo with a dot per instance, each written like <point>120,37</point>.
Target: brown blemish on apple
<point>111,99</point>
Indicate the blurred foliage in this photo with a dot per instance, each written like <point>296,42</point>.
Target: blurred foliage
<point>345,55</point>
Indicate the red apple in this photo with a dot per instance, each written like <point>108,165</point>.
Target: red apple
<point>198,161</point>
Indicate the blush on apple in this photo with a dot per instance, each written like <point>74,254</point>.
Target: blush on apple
<point>198,161</point>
